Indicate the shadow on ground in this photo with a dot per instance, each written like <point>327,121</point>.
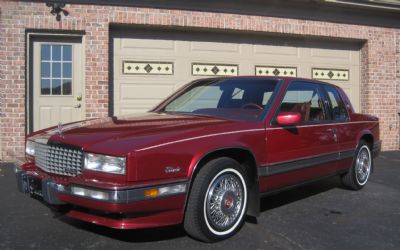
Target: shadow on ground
<point>177,231</point>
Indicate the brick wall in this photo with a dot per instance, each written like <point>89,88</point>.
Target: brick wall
<point>398,84</point>
<point>380,55</point>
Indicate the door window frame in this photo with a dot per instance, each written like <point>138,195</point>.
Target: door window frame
<point>328,118</point>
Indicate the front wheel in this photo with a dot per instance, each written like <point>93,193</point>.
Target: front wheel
<point>358,174</point>
<point>218,201</point>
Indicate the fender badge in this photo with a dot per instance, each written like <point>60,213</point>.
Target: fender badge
<point>170,170</point>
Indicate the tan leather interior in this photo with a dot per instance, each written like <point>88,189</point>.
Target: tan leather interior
<point>303,109</point>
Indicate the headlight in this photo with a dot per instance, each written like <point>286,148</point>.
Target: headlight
<point>30,148</point>
<point>105,163</point>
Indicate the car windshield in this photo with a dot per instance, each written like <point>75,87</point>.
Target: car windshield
<point>231,98</point>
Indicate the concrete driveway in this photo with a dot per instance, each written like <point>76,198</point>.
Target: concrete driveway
<point>321,215</point>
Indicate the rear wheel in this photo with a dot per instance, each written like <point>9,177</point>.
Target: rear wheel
<point>358,174</point>
<point>218,201</point>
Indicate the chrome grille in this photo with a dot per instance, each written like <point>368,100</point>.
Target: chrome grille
<point>59,159</point>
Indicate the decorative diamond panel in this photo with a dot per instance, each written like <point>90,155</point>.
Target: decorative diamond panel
<point>201,69</point>
<point>148,68</point>
<point>275,71</point>
<point>331,74</point>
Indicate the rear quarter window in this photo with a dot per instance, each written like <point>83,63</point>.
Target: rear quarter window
<point>338,108</point>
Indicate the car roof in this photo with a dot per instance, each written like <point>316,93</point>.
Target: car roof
<point>270,78</point>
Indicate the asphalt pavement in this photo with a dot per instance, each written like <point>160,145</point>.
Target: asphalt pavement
<point>322,215</point>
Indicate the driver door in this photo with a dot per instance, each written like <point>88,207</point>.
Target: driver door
<point>306,151</point>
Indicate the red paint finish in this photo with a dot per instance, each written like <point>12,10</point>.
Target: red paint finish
<point>145,221</point>
<point>156,140</point>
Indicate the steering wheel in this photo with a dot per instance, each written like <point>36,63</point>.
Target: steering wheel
<point>251,105</point>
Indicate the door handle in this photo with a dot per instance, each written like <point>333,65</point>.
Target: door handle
<point>78,106</point>
<point>333,131</point>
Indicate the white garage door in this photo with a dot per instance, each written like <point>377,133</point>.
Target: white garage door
<point>151,64</point>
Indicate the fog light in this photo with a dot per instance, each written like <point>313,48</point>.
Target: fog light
<point>89,193</point>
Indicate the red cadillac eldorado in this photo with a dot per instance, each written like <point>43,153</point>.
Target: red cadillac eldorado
<point>204,156</point>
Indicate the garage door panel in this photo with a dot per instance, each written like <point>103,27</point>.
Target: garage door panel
<point>142,44</point>
<point>134,93</point>
<point>214,47</point>
<point>127,111</point>
<point>144,91</point>
<point>349,92</point>
<point>276,50</point>
<point>144,79</point>
<point>138,107</point>
<point>329,53</point>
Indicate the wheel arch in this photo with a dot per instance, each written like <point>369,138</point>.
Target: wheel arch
<point>244,157</point>
<point>366,136</point>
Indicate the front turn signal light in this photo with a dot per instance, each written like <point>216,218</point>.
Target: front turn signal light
<point>151,193</point>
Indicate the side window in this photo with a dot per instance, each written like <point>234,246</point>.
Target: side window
<point>338,108</point>
<point>306,99</point>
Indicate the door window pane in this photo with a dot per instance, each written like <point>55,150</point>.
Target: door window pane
<point>67,53</point>
<point>45,87</point>
<point>45,53</point>
<point>306,99</point>
<point>56,52</point>
<point>56,86</point>
<point>66,89</point>
<point>67,70</point>
<point>56,69</point>
<point>45,69</point>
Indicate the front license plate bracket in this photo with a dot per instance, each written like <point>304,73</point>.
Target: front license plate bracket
<point>34,186</point>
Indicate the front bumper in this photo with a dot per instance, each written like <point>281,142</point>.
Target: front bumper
<point>100,206</point>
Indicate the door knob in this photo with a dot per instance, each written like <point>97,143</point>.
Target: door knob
<point>78,106</point>
<point>79,97</point>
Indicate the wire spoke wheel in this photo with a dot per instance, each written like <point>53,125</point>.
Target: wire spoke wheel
<point>224,201</point>
<point>357,176</point>
<point>217,203</point>
<point>363,165</point>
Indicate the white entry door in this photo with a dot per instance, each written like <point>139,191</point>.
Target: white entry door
<point>58,83</point>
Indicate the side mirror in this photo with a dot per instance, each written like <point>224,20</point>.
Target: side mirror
<point>288,118</point>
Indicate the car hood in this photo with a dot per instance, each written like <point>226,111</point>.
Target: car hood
<point>132,132</point>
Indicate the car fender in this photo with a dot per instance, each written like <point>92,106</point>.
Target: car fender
<point>253,188</point>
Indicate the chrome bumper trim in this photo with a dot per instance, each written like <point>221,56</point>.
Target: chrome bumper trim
<point>50,190</point>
